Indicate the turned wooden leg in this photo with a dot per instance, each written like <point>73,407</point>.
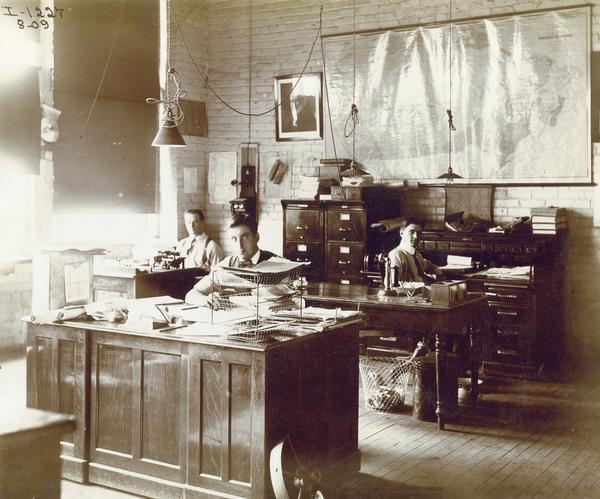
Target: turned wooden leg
<point>440,373</point>
<point>474,343</point>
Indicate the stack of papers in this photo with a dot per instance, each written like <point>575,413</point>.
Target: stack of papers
<point>508,272</point>
<point>309,186</point>
<point>456,262</point>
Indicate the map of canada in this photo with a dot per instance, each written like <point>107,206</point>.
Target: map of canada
<point>518,88</point>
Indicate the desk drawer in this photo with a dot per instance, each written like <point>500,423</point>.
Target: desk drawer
<point>303,225</point>
<point>345,280</point>
<point>508,315</point>
<point>345,259</point>
<point>305,252</point>
<point>346,225</point>
<point>514,295</point>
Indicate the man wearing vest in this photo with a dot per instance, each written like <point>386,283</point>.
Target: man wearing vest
<point>198,249</point>
<point>243,232</point>
<point>412,266</point>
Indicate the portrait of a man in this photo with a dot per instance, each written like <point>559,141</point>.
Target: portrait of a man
<point>299,112</point>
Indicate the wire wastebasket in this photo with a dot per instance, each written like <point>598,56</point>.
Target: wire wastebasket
<point>384,381</point>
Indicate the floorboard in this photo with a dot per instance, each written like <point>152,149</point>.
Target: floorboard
<point>525,439</point>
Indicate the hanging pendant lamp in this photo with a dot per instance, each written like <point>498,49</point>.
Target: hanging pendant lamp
<point>450,175</point>
<point>172,114</point>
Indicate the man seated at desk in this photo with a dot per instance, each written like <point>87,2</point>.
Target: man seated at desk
<point>412,266</point>
<point>243,232</point>
<point>198,249</point>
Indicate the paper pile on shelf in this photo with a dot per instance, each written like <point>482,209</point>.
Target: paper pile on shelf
<point>456,262</point>
<point>308,188</point>
<point>508,272</point>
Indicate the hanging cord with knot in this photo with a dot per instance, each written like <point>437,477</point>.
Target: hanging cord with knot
<point>451,127</point>
<point>226,104</point>
<point>353,116</point>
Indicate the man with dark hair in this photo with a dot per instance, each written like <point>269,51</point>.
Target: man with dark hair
<point>243,232</point>
<point>412,266</point>
<point>198,249</point>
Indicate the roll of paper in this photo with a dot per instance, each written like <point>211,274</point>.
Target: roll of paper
<point>390,224</point>
<point>62,314</point>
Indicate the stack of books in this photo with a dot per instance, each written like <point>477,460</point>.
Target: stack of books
<point>551,220</point>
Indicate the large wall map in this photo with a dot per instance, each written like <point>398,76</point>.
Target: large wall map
<point>519,94</point>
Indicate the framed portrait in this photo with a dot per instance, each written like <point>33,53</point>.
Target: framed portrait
<point>300,113</point>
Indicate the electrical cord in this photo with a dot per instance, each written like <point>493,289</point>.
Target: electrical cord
<point>226,104</point>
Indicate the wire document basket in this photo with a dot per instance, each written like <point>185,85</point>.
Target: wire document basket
<point>384,381</point>
<point>248,299</point>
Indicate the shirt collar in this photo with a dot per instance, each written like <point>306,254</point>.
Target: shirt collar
<point>255,258</point>
<point>407,248</point>
<point>199,237</point>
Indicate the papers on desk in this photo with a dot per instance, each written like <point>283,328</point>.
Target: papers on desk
<point>457,263</point>
<point>317,313</point>
<point>523,272</point>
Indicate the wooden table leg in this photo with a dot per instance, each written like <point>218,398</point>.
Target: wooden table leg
<point>474,344</point>
<point>440,373</point>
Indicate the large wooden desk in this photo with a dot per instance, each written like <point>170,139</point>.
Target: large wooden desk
<point>162,415</point>
<point>400,313</point>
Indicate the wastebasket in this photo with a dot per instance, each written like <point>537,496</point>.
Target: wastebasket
<point>424,387</point>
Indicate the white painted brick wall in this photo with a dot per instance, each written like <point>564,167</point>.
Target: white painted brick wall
<point>282,32</point>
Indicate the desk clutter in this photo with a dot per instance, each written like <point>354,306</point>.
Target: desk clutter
<point>248,304</point>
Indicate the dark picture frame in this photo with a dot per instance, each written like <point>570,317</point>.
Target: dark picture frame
<point>299,107</point>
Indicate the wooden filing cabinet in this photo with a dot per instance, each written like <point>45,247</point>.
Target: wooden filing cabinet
<point>335,236</point>
<point>303,235</point>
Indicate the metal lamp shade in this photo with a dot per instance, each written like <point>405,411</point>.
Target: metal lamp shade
<point>168,135</point>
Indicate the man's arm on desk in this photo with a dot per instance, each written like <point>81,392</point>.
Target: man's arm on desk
<point>198,295</point>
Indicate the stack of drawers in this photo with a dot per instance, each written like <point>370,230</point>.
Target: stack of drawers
<point>511,326</point>
<point>346,240</point>
<point>303,235</point>
<point>334,236</point>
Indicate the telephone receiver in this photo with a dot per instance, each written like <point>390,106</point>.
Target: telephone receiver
<point>277,171</point>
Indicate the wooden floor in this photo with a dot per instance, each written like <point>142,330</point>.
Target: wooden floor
<point>524,439</point>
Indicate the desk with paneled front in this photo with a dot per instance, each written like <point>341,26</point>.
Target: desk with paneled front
<point>164,415</point>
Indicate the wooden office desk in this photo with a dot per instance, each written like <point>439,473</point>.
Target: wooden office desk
<point>400,313</point>
<point>163,415</point>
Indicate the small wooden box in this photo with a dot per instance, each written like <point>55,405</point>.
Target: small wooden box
<point>444,294</point>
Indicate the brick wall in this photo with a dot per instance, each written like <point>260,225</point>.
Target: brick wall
<point>190,16</point>
<point>278,35</point>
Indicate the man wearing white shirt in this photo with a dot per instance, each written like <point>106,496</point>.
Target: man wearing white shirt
<point>412,266</point>
<point>198,249</point>
<point>243,232</point>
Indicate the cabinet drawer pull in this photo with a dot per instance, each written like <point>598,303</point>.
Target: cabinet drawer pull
<point>344,229</point>
<point>503,351</point>
<point>499,295</point>
<point>344,262</point>
<point>503,332</point>
<point>502,312</point>
<point>301,227</point>
<point>302,260</point>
